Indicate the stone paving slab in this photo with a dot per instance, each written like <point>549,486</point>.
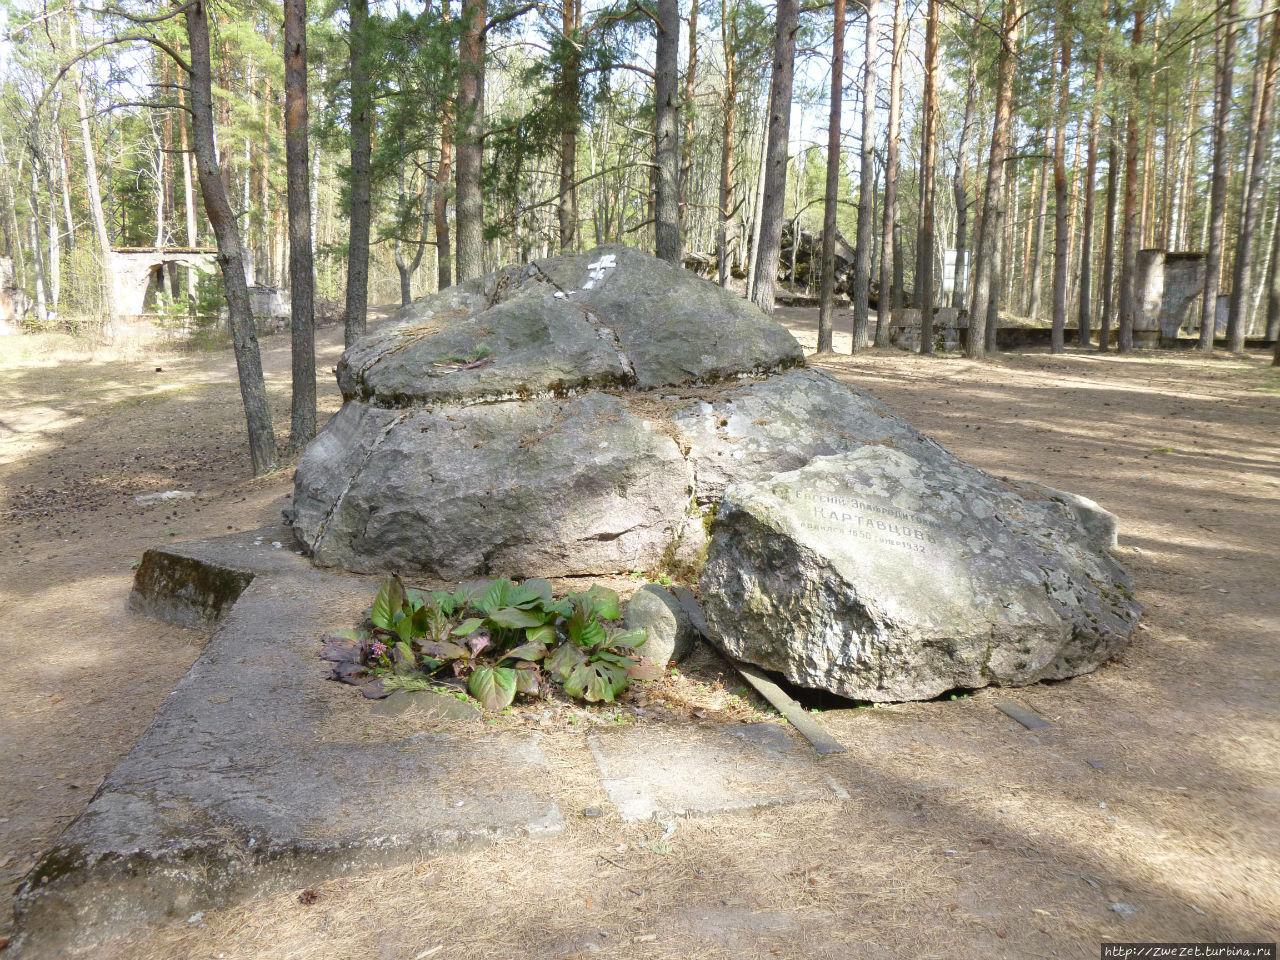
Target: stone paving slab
<point>254,778</point>
<point>702,770</point>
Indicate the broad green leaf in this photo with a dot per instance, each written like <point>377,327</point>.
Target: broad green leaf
<point>526,677</point>
<point>494,687</point>
<point>628,638</point>
<point>542,589</point>
<point>420,620</point>
<point>388,602</point>
<point>608,656</point>
<point>468,626</point>
<point>404,629</point>
<point>443,601</point>
<point>468,593</point>
<point>575,684</point>
<point>415,599</point>
<point>585,630</point>
<point>545,633</point>
<point>604,601</point>
<point>562,662</point>
<point>494,596</point>
<point>528,651</point>
<point>514,618</point>
<point>596,682</point>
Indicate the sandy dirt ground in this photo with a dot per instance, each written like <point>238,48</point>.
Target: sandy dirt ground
<point>1148,812</point>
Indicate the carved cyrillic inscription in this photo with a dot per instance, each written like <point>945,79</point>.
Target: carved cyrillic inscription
<point>860,519</point>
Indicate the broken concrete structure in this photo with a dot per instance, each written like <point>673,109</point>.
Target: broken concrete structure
<point>1167,284</point>
<point>254,777</point>
<point>9,296</point>
<point>137,274</point>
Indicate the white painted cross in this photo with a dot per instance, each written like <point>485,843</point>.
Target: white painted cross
<point>598,269</point>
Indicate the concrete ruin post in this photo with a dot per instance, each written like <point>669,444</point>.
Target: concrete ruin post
<point>1166,285</point>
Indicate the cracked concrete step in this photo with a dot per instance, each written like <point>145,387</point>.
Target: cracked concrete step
<point>255,776</point>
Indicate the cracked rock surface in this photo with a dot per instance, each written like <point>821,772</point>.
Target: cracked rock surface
<point>477,439</point>
<point>537,330</point>
<point>607,412</point>
<point>886,574</point>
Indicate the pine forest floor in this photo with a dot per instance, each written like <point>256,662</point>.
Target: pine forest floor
<point>1147,813</point>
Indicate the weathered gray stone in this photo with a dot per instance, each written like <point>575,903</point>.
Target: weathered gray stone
<point>654,773</point>
<point>431,467</point>
<point>1101,525</point>
<point>475,439</point>
<point>553,327</point>
<point>781,424</point>
<point>898,574</point>
<point>529,346</point>
<point>257,775</point>
<point>557,488</point>
<point>670,634</point>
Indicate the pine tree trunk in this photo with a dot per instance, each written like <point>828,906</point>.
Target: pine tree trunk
<point>686,142</point>
<point>361,147</point>
<point>728,40</point>
<point>1226,42</point>
<point>469,203</point>
<point>1038,226</point>
<point>827,288</point>
<point>1273,290</point>
<point>1108,294</point>
<point>444,255</point>
<point>861,292</point>
<point>928,162</point>
<point>571,95</point>
<point>960,190</point>
<point>1085,314</point>
<point>1061,200</point>
<point>37,257</point>
<point>1182,194</point>
<point>302,421</point>
<point>1254,192</point>
<point>11,216</point>
<point>890,276</point>
<point>253,391</point>
<point>757,206</point>
<point>987,246</point>
<point>775,179</point>
<point>667,147</point>
<point>64,173</point>
<point>95,198</point>
<point>188,193</point>
<point>999,265</point>
<point>1129,243</point>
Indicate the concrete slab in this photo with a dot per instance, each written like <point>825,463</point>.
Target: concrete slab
<point>650,774</point>
<point>257,776</point>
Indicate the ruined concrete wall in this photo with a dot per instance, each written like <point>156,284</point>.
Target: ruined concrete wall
<point>1166,285</point>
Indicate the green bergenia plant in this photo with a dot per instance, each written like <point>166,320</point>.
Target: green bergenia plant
<point>504,638</point>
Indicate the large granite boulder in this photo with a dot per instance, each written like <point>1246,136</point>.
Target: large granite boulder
<point>898,572</point>
<point>608,412</point>
<point>611,318</point>
<point>555,488</point>
<point>476,440</point>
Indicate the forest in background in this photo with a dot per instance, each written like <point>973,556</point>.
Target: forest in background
<point>1047,143</point>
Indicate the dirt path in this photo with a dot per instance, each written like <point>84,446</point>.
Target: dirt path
<point>1156,789</point>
